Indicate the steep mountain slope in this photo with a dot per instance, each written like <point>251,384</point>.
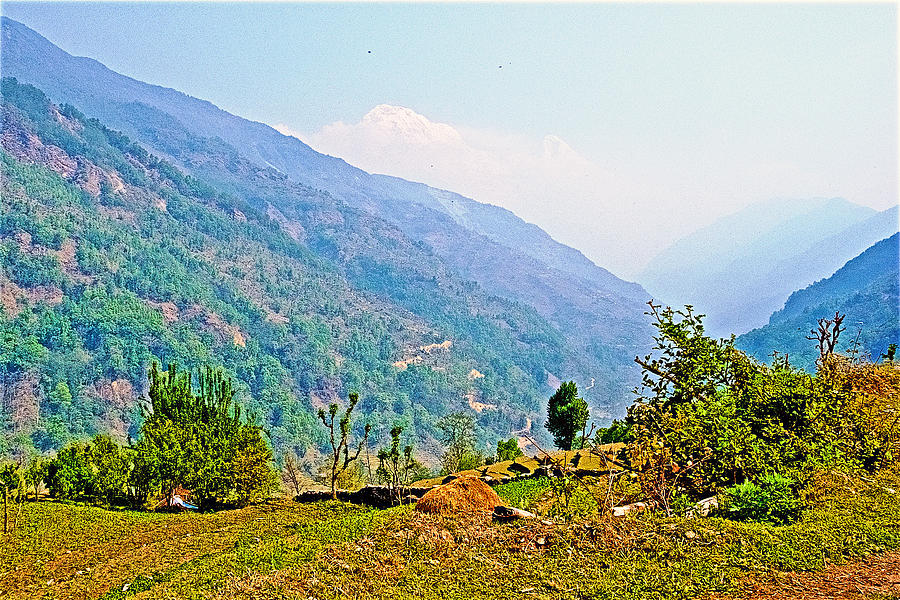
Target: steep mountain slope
<point>112,258</point>
<point>865,289</point>
<point>98,91</point>
<point>600,315</point>
<point>505,228</point>
<point>741,268</point>
<point>95,89</point>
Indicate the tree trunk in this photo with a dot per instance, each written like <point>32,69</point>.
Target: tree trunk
<point>334,478</point>
<point>20,499</point>
<point>5,511</point>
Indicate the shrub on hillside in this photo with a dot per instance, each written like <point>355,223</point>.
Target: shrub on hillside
<point>457,436</point>
<point>197,439</point>
<point>618,431</point>
<point>191,438</point>
<point>398,467</point>
<point>771,499</point>
<point>70,474</point>
<point>110,466</point>
<point>864,411</point>
<point>508,449</point>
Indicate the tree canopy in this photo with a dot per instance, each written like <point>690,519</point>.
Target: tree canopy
<point>567,414</point>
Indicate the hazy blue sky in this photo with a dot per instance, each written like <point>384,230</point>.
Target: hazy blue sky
<point>695,109</point>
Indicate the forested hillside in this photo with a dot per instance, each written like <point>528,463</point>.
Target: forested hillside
<point>113,258</point>
<point>865,290</point>
<point>599,316</point>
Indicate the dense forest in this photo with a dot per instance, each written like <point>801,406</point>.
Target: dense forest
<point>383,234</point>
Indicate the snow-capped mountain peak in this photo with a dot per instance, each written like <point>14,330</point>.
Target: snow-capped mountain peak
<point>406,125</point>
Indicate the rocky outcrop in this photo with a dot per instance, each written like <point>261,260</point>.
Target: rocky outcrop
<point>20,400</point>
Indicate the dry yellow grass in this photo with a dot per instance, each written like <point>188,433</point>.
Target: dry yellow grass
<point>462,495</point>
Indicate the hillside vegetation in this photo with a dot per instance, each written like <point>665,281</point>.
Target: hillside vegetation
<point>112,258</point>
<point>383,233</point>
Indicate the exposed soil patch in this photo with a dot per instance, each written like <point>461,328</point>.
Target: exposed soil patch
<point>874,577</point>
<point>20,402</point>
<point>477,406</point>
<point>292,227</point>
<point>66,255</point>
<point>9,294</point>
<point>169,310</point>
<point>423,351</point>
<point>217,324</point>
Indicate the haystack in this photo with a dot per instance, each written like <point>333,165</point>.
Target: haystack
<point>462,495</point>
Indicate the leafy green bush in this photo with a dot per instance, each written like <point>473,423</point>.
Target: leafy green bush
<point>618,431</point>
<point>508,449</point>
<point>571,499</point>
<point>771,499</point>
<point>70,475</point>
<point>521,493</point>
<point>110,467</point>
<point>708,415</point>
<point>196,438</point>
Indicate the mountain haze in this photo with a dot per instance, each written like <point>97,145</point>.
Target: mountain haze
<point>865,290</point>
<point>742,268</point>
<point>543,180</point>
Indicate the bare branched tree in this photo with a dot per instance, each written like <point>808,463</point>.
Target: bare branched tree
<point>340,439</point>
<point>291,473</point>
<point>827,334</point>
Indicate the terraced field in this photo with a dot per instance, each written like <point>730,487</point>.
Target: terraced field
<point>586,461</point>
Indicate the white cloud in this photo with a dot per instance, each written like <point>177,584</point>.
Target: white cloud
<point>619,216</point>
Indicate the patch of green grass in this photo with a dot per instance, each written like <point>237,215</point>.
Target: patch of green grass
<point>141,583</point>
<point>337,550</point>
<point>288,549</point>
<point>523,493</point>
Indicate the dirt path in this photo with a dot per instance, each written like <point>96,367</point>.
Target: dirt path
<point>874,577</point>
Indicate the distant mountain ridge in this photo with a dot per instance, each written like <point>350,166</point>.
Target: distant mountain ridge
<point>380,232</point>
<point>866,289</point>
<point>742,268</point>
<point>94,88</point>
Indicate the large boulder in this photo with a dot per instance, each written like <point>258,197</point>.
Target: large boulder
<point>461,495</point>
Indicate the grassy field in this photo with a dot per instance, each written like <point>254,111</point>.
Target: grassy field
<point>334,550</point>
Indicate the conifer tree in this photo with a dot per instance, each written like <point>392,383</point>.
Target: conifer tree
<point>567,414</point>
